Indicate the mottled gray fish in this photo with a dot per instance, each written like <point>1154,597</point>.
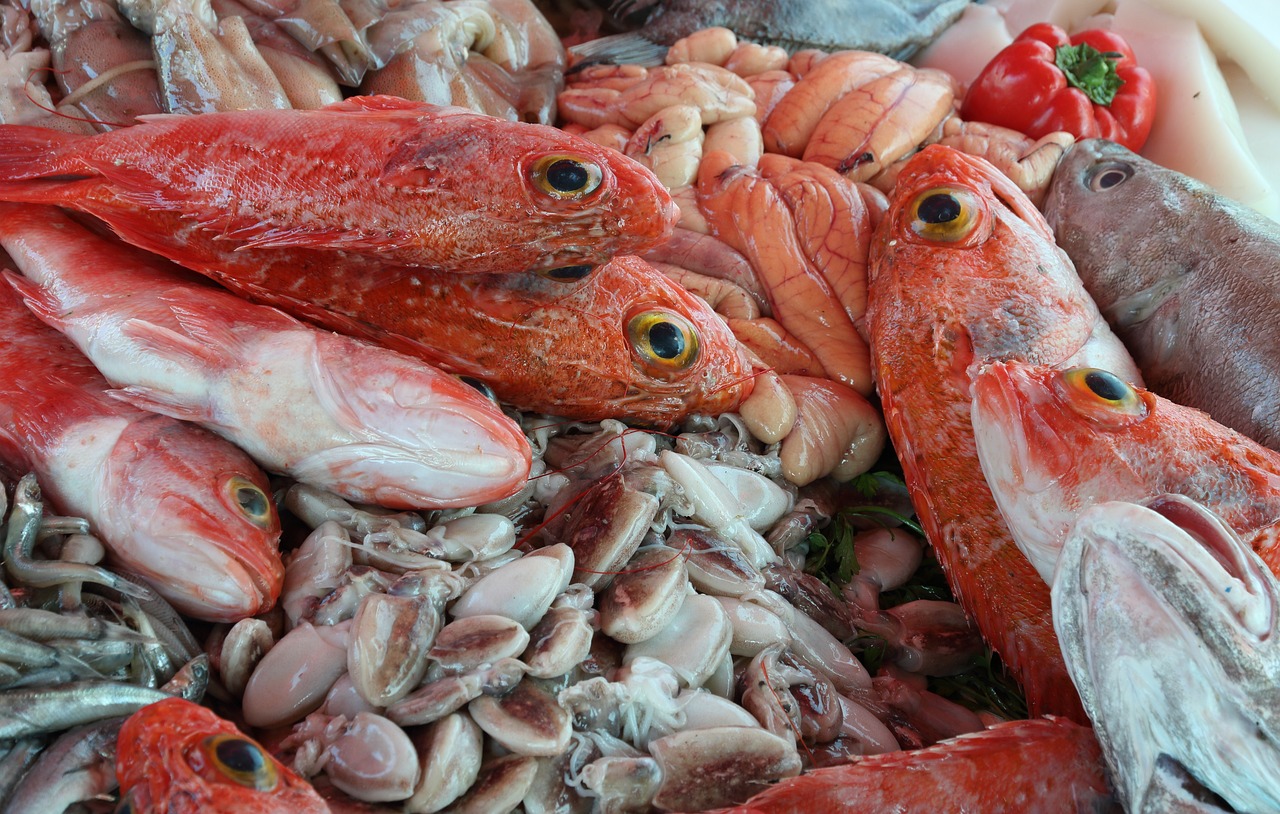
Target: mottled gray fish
<point>1188,279</point>
<point>898,28</point>
<point>1167,624</point>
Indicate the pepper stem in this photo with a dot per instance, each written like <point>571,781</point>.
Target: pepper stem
<point>1090,70</point>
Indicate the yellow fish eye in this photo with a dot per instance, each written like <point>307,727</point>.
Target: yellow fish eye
<point>944,214</point>
<point>1103,396</point>
<point>252,501</point>
<point>565,176</point>
<point>665,342</point>
<point>240,760</point>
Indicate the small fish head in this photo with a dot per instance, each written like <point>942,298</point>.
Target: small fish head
<point>1166,619</point>
<point>193,514</point>
<point>1041,433</point>
<point>174,753</point>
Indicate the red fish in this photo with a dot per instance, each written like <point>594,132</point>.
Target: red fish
<point>177,757</point>
<point>1046,764</point>
<point>621,342</point>
<point>369,179</point>
<point>964,270</point>
<point>172,502</point>
<point>1054,442</point>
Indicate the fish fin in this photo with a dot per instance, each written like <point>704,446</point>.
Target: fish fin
<point>377,104</point>
<point>27,152</point>
<point>39,301</point>
<point>163,402</point>
<point>260,235</point>
<point>218,333</point>
<point>166,342</point>
<point>631,48</point>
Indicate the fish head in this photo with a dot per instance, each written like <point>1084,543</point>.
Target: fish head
<point>175,755</point>
<point>960,230</point>
<point>541,198</point>
<point>423,438</point>
<point>1167,622</point>
<point>1047,439</point>
<point>193,515</point>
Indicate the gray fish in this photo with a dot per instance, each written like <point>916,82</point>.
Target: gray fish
<point>898,28</point>
<point>1167,623</point>
<point>1189,280</point>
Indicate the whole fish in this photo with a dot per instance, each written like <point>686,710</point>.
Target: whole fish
<point>178,757</point>
<point>370,180</point>
<point>898,28</point>
<point>1189,280</point>
<point>1054,442</point>
<point>1045,764</point>
<point>621,342</point>
<point>1167,621</point>
<point>963,269</point>
<point>173,502</point>
<point>364,422</point>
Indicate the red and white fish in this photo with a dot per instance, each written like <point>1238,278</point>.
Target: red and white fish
<point>177,757</point>
<point>1054,442</point>
<point>369,180</point>
<point>174,503</point>
<point>964,270</point>
<point>364,422</point>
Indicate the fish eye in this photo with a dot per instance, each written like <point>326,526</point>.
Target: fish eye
<point>252,501</point>
<point>566,176</point>
<point>1108,175</point>
<point>1103,396</point>
<point>567,274</point>
<point>241,760</point>
<point>944,214</point>
<point>477,384</point>
<point>125,806</point>
<point>664,342</point>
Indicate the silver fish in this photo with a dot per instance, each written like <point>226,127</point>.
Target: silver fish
<point>1168,626</point>
<point>1188,279</point>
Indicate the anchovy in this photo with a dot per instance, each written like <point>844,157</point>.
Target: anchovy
<point>52,709</point>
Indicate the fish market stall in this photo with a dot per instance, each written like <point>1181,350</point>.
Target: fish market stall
<point>489,405</point>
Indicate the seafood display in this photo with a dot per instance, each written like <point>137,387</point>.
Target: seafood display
<point>713,421</point>
<point>1181,700</point>
<point>963,270</point>
<point>1179,297</point>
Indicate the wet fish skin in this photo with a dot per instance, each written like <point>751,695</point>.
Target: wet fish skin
<point>1166,620</point>
<point>1188,279</point>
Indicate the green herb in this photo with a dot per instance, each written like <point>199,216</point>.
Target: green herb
<point>985,687</point>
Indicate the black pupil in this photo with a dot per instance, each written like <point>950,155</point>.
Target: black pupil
<point>1109,179</point>
<point>567,176</point>
<point>485,390</point>
<point>666,340</point>
<point>251,500</point>
<point>240,756</point>
<point>939,208</point>
<point>569,273</point>
<point>1105,385</point>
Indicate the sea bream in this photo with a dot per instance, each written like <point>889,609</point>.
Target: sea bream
<point>173,502</point>
<point>1167,622</point>
<point>964,271</point>
<point>1054,442</point>
<point>353,418</point>
<point>1189,280</point>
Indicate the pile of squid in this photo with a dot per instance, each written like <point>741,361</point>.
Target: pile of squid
<point>484,457</point>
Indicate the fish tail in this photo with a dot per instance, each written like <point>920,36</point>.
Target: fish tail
<point>35,165</point>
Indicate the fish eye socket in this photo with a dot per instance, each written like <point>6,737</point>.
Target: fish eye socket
<point>241,760</point>
<point>567,274</point>
<point>944,214</point>
<point>566,176</point>
<point>664,342</point>
<point>1103,396</point>
<point>252,501</point>
<point>1108,175</point>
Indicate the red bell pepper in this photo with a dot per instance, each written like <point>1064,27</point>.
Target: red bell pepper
<point>1088,85</point>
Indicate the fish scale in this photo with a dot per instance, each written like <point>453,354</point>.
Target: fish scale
<point>940,304</point>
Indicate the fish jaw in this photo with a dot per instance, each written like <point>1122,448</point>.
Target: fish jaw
<point>1166,621</point>
<point>163,765</point>
<point>193,515</point>
<point>420,438</point>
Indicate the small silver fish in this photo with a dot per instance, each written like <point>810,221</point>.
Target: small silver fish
<point>1188,279</point>
<point>1168,626</point>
